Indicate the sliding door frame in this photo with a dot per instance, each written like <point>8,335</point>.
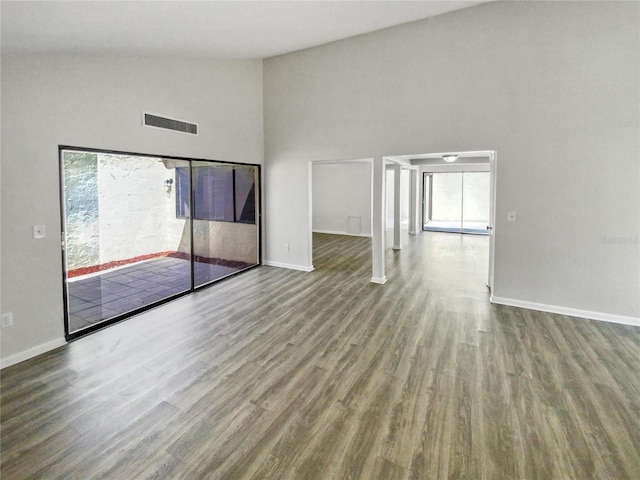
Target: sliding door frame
<point>118,318</point>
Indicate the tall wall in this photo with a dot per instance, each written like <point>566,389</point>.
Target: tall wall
<point>97,102</point>
<point>553,87</point>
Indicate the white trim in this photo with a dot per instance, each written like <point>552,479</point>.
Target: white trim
<point>32,352</point>
<point>336,232</point>
<point>379,280</point>
<point>339,162</point>
<point>572,312</point>
<point>417,156</point>
<point>310,212</point>
<point>289,266</point>
<point>493,171</point>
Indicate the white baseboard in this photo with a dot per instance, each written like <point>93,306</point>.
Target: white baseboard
<point>572,312</point>
<point>379,280</point>
<point>335,232</point>
<point>32,352</point>
<point>290,266</point>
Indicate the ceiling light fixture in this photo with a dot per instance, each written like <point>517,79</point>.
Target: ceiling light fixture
<point>449,158</point>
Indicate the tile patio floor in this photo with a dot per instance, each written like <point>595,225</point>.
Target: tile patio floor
<point>97,297</point>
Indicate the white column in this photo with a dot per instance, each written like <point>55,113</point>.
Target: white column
<point>397,198</point>
<point>414,202</point>
<point>378,221</point>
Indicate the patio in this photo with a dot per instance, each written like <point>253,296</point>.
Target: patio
<point>100,296</point>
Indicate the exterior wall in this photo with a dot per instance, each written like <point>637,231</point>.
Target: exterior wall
<point>137,214</point>
<point>97,102</point>
<point>118,208</point>
<point>226,240</point>
<point>553,87</point>
<point>81,210</point>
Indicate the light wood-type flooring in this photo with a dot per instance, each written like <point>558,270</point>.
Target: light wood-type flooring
<point>279,374</point>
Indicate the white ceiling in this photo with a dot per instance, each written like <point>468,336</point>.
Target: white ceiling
<point>220,29</point>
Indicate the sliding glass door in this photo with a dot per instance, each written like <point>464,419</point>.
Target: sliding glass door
<point>456,202</point>
<point>140,230</point>
<point>475,202</point>
<point>225,230</point>
<point>446,203</point>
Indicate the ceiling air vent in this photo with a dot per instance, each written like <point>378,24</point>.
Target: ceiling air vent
<point>156,121</point>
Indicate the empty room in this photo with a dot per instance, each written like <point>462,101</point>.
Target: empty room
<point>320,240</point>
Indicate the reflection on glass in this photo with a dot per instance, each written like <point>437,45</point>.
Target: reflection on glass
<point>225,226</point>
<point>126,247</point>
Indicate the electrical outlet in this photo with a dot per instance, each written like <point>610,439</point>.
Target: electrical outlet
<point>286,247</point>
<point>6,320</point>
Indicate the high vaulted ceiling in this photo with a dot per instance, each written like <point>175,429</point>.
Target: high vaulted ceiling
<point>219,29</point>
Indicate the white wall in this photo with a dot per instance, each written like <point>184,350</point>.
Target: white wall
<point>553,87</point>
<point>340,191</point>
<point>97,102</point>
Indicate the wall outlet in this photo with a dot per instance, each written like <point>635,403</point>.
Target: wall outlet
<point>286,247</point>
<point>6,320</point>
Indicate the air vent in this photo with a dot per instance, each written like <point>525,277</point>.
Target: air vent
<point>156,121</point>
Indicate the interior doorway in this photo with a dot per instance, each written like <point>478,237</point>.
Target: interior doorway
<point>464,163</point>
<point>340,208</point>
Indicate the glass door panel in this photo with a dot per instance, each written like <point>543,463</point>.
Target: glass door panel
<point>475,205</point>
<point>126,244</point>
<point>446,203</point>
<point>225,223</point>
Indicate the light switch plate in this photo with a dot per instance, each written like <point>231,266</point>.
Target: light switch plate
<point>511,216</point>
<point>6,320</point>
<point>38,231</point>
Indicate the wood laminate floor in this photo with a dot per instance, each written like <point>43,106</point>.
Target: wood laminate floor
<point>278,374</point>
